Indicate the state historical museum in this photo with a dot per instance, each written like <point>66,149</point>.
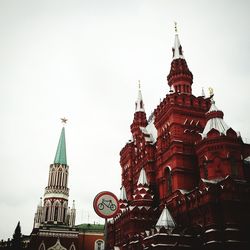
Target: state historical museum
<point>185,174</point>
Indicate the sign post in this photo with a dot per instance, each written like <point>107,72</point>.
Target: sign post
<point>106,205</point>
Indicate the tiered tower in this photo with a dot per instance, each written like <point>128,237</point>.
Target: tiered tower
<point>55,208</point>
<point>54,222</point>
<point>139,150</point>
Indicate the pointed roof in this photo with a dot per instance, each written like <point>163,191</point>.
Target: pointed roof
<point>180,77</point>
<point>60,157</point>
<point>165,220</point>
<point>177,49</point>
<point>123,195</point>
<point>215,120</point>
<point>142,178</point>
<point>139,105</point>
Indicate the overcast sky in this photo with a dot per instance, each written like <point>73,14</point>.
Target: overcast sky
<point>82,60</point>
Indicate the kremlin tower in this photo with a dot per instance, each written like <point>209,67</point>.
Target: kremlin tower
<point>185,174</point>
<point>54,222</point>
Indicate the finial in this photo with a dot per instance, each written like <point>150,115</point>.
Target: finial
<point>139,84</point>
<point>64,120</point>
<point>211,91</point>
<point>175,27</point>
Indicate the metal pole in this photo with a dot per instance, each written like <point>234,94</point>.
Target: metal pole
<point>105,234</point>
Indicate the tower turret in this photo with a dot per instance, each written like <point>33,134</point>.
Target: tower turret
<point>140,119</point>
<point>142,195</point>
<point>39,214</point>
<point>123,200</point>
<point>214,162</point>
<point>72,215</point>
<point>215,120</point>
<point>180,77</point>
<point>54,222</point>
<point>57,193</point>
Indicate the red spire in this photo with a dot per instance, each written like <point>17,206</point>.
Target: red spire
<point>180,77</point>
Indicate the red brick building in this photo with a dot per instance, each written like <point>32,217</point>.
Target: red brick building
<point>91,236</point>
<point>185,174</point>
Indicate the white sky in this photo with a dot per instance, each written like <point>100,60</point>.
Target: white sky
<point>82,59</point>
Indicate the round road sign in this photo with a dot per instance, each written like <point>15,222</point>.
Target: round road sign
<point>106,205</point>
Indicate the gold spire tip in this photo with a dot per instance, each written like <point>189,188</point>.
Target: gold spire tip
<point>64,120</point>
<point>211,91</point>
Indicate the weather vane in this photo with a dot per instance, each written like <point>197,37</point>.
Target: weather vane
<point>175,27</point>
<point>64,120</point>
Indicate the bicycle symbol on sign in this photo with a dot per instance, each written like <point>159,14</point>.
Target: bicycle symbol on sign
<point>108,204</point>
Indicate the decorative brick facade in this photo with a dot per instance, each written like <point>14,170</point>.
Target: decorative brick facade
<point>195,165</point>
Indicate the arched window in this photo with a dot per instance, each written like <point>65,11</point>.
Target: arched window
<point>46,213</point>
<point>56,211</point>
<point>64,211</point>
<point>168,179</point>
<point>47,210</point>
<point>72,247</point>
<point>59,177</point>
<point>99,245</point>
<point>42,246</point>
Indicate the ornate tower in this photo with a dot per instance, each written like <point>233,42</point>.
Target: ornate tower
<point>55,208</point>
<point>54,222</point>
<point>179,119</point>
<point>180,77</point>
<point>140,119</point>
<point>138,151</point>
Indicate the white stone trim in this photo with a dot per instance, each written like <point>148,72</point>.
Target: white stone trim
<point>56,195</point>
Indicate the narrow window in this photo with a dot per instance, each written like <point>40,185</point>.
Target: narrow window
<point>168,178</point>
<point>56,213</point>
<point>46,213</point>
<point>234,169</point>
<point>205,170</point>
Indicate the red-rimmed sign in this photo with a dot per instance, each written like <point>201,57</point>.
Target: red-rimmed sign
<point>106,205</point>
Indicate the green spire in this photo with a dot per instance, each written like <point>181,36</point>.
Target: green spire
<point>60,157</point>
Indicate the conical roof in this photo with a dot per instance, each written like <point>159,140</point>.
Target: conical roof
<point>180,77</point>
<point>123,195</point>
<point>177,49</point>
<point>215,120</point>
<point>60,157</point>
<point>165,220</point>
<point>139,105</point>
<point>142,178</point>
